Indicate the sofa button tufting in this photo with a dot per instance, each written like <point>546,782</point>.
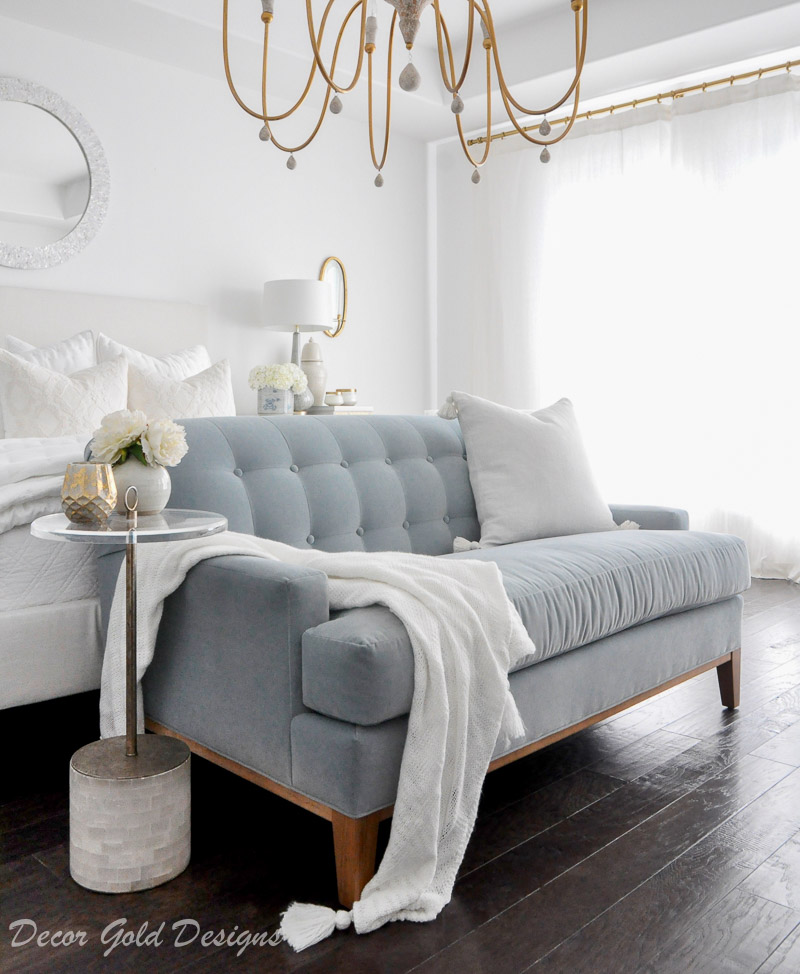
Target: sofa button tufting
<point>389,461</point>
<point>446,519</point>
<point>406,525</point>
<point>294,468</point>
<point>310,539</point>
<point>345,464</point>
<point>360,532</point>
<point>237,472</point>
<point>429,459</point>
<point>465,456</point>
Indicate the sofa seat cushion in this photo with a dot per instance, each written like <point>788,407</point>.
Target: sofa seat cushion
<point>569,591</point>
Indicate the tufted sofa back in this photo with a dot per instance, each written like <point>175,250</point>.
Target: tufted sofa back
<point>337,483</point>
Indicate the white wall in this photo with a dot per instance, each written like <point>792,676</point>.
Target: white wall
<point>202,211</point>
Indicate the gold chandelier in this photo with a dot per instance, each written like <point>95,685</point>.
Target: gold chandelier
<point>407,16</point>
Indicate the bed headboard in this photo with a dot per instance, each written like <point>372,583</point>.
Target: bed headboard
<point>156,327</point>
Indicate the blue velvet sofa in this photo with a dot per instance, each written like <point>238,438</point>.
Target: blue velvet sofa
<point>255,672</point>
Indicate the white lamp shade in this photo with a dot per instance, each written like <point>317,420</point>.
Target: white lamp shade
<point>299,305</point>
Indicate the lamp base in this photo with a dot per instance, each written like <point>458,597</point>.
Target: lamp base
<point>320,411</point>
<point>296,347</point>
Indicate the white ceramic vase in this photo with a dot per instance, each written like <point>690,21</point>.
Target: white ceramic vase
<point>152,483</point>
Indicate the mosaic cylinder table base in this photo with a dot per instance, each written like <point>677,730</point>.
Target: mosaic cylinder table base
<point>129,817</point>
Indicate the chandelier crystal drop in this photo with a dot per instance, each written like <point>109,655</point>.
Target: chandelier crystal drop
<point>360,22</point>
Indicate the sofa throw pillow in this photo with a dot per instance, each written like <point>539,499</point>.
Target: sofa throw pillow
<point>177,365</point>
<point>36,401</point>
<point>208,393</point>
<point>69,355</point>
<point>529,472</point>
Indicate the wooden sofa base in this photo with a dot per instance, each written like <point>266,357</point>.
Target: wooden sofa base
<point>355,840</point>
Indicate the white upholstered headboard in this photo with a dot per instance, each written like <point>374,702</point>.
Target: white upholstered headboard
<point>156,327</point>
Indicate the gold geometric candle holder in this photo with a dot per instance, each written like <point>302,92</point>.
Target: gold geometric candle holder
<point>89,493</point>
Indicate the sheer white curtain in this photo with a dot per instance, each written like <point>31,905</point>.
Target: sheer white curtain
<point>651,274</point>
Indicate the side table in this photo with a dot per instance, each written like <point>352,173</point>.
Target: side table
<point>130,799</point>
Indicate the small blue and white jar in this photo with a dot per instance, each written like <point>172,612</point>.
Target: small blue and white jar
<point>275,402</point>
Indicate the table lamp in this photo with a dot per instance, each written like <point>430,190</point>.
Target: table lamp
<point>301,306</point>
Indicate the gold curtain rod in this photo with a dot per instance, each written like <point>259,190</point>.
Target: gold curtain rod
<point>636,102</point>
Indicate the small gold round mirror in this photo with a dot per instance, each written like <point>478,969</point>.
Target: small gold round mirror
<point>333,272</point>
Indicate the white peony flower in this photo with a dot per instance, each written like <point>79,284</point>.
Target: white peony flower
<point>285,376</point>
<point>164,443</point>
<point>116,433</point>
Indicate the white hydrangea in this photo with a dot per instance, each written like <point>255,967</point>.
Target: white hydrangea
<point>164,443</point>
<point>116,433</point>
<point>285,376</point>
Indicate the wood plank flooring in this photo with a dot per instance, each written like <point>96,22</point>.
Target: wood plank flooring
<point>665,840</point>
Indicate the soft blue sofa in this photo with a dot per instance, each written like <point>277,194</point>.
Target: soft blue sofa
<point>254,671</point>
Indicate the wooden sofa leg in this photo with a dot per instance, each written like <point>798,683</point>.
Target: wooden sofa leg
<point>355,843</point>
<point>728,674</point>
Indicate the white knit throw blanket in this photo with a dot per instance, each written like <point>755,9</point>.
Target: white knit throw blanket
<point>465,635</point>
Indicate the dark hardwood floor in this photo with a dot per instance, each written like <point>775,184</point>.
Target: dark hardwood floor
<point>663,841</point>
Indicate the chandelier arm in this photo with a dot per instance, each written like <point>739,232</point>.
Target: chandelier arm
<point>315,44</point>
<point>534,141</point>
<point>313,71</point>
<point>459,126</point>
<point>226,62</point>
<point>580,56</point>
<point>325,103</point>
<point>451,85</point>
<point>387,130</point>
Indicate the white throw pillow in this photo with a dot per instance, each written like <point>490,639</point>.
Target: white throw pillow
<point>529,472</point>
<point>178,365</point>
<point>69,355</point>
<point>36,401</point>
<point>207,394</point>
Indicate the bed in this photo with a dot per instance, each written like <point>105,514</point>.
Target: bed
<point>49,611</point>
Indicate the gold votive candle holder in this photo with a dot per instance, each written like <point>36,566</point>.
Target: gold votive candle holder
<point>89,493</point>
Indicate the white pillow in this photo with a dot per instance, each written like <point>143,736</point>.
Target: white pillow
<point>178,365</point>
<point>41,402</point>
<point>529,472</point>
<point>69,355</point>
<point>207,394</point>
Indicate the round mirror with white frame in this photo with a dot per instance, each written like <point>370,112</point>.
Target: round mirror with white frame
<point>54,179</point>
<point>334,273</point>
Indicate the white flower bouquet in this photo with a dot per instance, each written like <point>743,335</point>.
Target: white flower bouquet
<point>287,376</point>
<point>128,433</point>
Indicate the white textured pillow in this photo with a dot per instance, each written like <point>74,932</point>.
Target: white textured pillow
<point>69,355</point>
<point>529,472</point>
<point>207,394</point>
<point>178,365</point>
<point>40,402</point>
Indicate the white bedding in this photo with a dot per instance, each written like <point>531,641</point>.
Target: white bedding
<point>31,474</point>
<point>36,573</point>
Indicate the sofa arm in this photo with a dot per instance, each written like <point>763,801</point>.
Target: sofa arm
<point>227,665</point>
<point>651,518</point>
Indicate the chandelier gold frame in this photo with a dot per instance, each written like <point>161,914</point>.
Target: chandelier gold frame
<point>406,16</point>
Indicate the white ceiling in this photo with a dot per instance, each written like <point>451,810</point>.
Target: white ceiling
<point>632,43</point>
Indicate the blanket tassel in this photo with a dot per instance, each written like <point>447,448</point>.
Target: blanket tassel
<point>304,924</point>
